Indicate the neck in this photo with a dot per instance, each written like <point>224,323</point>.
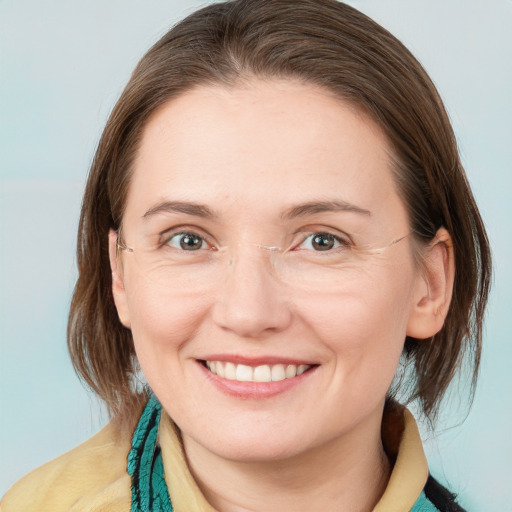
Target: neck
<point>347,473</point>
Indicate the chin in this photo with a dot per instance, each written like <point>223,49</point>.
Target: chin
<point>255,449</point>
<point>259,441</point>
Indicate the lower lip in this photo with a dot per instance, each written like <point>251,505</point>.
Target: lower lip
<point>254,390</point>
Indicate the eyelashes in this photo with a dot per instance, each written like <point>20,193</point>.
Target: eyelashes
<point>322,242</point>
<point>189,240</point>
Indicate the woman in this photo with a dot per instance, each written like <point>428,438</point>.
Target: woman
<point>276,217</point>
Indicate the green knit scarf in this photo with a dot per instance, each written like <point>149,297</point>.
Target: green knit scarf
<point>145,466</point>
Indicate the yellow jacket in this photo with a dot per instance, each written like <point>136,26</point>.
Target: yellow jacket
<point>92,477</point>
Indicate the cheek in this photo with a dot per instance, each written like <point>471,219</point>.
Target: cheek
<point>371,307</point>
<point>162,322</point>
<point>364,326</point>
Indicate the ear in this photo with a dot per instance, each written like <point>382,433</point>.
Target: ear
<point>118,291</point>
<point>433,290</point>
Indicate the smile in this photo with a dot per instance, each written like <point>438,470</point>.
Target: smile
<point>261,373</point>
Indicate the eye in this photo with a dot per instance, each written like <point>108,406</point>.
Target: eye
<point>322,242</point>
<point>187,241</point>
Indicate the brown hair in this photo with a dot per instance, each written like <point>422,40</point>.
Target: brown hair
<point>321,42</point>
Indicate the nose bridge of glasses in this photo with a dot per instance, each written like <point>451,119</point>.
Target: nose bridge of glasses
<point>272,248</point>
<point>254,252</point>
<point>247,262</point>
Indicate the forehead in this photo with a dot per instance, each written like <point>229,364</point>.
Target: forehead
<point>261,143</point>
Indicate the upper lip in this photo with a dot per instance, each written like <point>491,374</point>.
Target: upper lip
<point>255,361</point>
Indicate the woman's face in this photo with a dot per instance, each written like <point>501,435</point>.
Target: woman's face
<point>256,215</point>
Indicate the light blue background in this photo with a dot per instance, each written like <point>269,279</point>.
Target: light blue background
<point>64,63</point>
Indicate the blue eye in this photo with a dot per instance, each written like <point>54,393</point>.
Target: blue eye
<point>187,241</point>
<point>322,242</point>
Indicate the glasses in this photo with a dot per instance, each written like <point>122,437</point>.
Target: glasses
<point>188,261</point>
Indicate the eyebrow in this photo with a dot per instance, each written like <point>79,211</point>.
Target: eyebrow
<point>300,210</point>
<point>195,209</point>
<point>314,207</point>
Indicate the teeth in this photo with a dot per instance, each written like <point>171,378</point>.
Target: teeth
<point>302,368</point>
<point>278,372</point>
<point>220,369</point>
<point>262,373</point>
<point>243,373</point>
<point>230,371</point>
<point>291,371</point>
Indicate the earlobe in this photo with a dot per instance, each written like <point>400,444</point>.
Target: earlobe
<point>118,290</point>
<point>434,288</point>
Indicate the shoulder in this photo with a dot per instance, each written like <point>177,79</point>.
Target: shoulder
<point>78,479</point>
<point>410,487</point>
<point>436,498</point>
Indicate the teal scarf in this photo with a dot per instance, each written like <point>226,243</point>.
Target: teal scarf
<point>145,466</point>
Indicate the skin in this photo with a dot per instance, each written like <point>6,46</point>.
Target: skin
<point>249,153</point>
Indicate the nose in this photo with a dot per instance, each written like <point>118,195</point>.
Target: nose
<point>251,302</point>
